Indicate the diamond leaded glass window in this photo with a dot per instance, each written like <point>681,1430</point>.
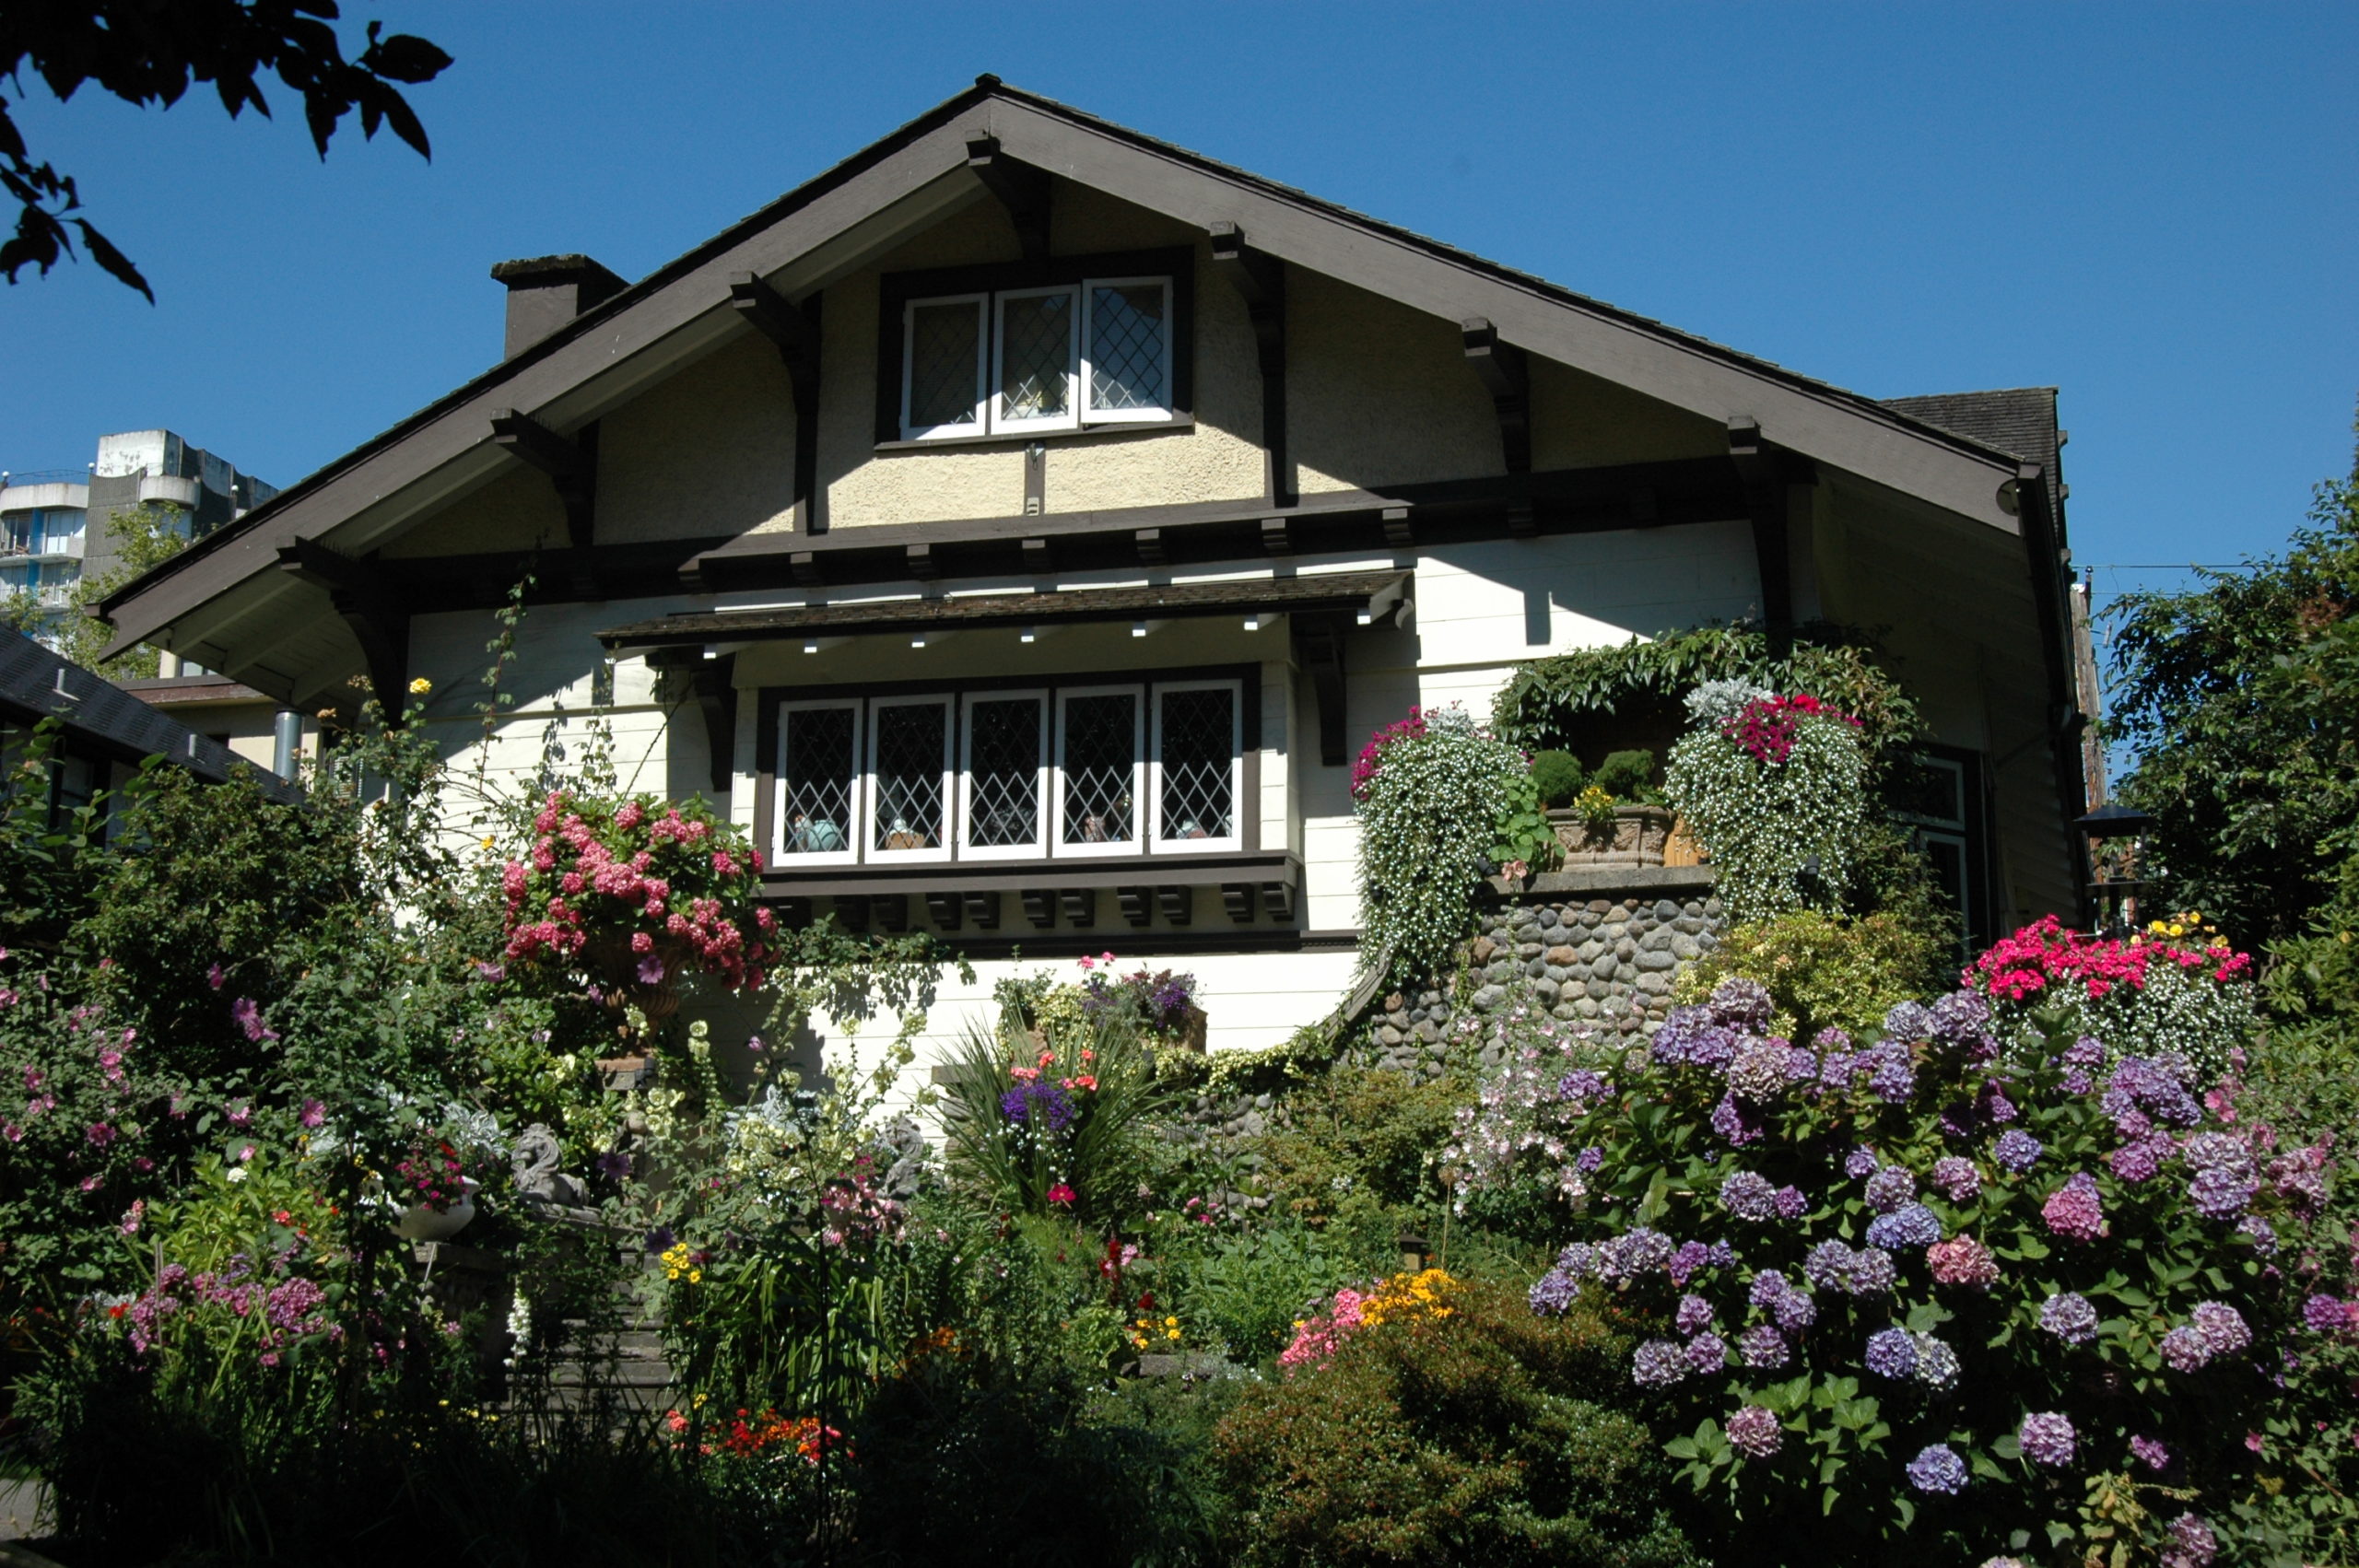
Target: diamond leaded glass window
<point>1196,752</point>
<point>945,345</point>
<point>1035,366</point>
<point>1130,358</point>
<point>1004,772</point>
<point>1100,768</point>
<point>910,772</point>
<point>819,770</point>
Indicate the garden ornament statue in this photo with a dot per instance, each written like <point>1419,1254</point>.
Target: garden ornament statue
<point>539,1184</point>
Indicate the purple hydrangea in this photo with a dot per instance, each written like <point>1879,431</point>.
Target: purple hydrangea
<point>1582,1084</point>
<point>1554,1293</point>
<point>1892,1354</point>
<point>1767,1286</point>
<point>1741,1003</point>
<point>2299,1178</point>
<point>2222,1326</point>
<point>1860,1162</point>
<point>2218,1152</point>
<point>2152,1453</point>
<point>1960,1016</point>
<point>2264,1234</point>
<point>1707,1354</point>
<point>1956,1179</point>
<point>1790,1203</point>
<point>2326,1314</point>
<point>1937,1365</point>
<point>1748,1196</point>
<point>2221,1195</point>
<point>2070,1317</point>
<point>1755,1431</point>
<point>1578,1261</point>
<point>1695,1313</point>
<point>1893,1079</point>
<point>1730,1122</point>
<point>2086,1052</point>
<point>2046,1438</point>
<point>2156,1085</point>
<point>2192,1544</point>
<point>1832,1265</point>
<point>2076,1210</point>
<point>1762,1346</point>
<point>1889,1189</point>
<point>2139,1161</point>
<point>1690,1036</point>
<point>2186,1349</point>
<point>1635,1252</point>
<point>1909,1021</point>
<point>1759,1071</point>
<point>1691,1257</point>
<point>1937,1468</point>
<point>1911,1225</point>
<point>2017,1150</point>
<point>1795,1311</point>
<point>1997,1109</point>
<point>1587,1161</point>
<point>1658,1364</point>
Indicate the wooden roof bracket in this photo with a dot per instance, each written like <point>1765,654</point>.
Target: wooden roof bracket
<point>794,331</point>
<point>380,621</point>
<point>572,469</point>
<point>1764,497</point>
<point>1261,281</point>
<point>1507,377</point>
<point>1020,188</point>
<point>713,682</point>
<point>1318,643</point>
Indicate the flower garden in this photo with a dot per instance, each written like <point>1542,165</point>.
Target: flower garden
<point>353,1158</point>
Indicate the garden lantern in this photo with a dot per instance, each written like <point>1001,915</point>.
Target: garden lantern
<point>2117,821</point>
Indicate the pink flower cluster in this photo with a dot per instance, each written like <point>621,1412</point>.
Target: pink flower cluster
<point>1315,1339</point>
<point>662,879</point>
<point>2044,954</point>
<point>1371,756</point>
<point>290,1308</point>
<point>1963,1260</point>
<point>1765,728</point>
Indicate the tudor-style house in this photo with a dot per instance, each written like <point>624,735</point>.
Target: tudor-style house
<point>1021,525</point>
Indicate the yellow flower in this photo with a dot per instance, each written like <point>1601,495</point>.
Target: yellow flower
<point>486,840</point>
<point>420,686</point>
<point>1171,1333</point>
<point>696,1276</point>
<point>1171,1323</point>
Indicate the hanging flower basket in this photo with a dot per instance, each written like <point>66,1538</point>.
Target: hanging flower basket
<point>1635,837</point>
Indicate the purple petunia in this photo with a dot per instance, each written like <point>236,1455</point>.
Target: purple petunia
<point>1041,1104</point>
<point>1658,1364</point>
<point>2076,1210</point>
<point>1892,1354</point>
<point>1889,1189</point>
<point>2046,1438</point>
<point>1956,1179</point>
<point>2017,1150</point>
<point>1748,1196</point>
<point>1753,1431</point>
<point>2070,1317</point>
<point>1937,1468</point>
<point>1694,1314</point>
<point>1911,1225</point>
<point>1762,1346</point>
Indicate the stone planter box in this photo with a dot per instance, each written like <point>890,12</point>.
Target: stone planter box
<point>1636,838</point>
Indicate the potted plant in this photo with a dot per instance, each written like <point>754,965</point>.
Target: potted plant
<point>438,1197</point>
<point>1611,818</point>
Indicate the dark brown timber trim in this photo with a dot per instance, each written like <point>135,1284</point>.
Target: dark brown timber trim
<point>572,469</point>
<point>1764,504</point>
<point>1021,190</point>
<point>2044,554</point>
<point>795,330</point>
<point>1261,282</point>
<point>1501,368</point>
<point>379,619</point>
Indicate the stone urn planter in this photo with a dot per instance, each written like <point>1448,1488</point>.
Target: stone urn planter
<point>423,1222</point>
<point>1635,837</point>
<point>618,968</point>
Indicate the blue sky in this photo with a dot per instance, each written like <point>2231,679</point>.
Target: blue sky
<point>2151,206</point>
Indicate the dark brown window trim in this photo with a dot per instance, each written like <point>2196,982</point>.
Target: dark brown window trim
<point>896,289</point>
<point>1248,676</point>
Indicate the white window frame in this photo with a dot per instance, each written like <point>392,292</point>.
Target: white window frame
<point>1136,843</point>
<point>1234,839</point>
<point>856,780</point>
<point>1087,393</point>
<point>1042,781</point>
<point>984,395</point>
<point>1071,418</point>
<point>940,850</point>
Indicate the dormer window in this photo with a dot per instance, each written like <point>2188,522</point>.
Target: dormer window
<point>1010,352</point>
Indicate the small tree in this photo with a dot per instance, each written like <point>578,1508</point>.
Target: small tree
<point>145,537</point>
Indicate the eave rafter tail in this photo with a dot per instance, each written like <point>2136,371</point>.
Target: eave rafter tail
<point>571,466</point>
<point>379,619</point>
<point>1261,281</point>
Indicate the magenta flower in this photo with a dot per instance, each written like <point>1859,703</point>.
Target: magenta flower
<point>247,1013</point>
<point>312,1113</point>
<point>1061,1193</point>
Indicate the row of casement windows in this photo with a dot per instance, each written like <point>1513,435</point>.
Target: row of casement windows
<point>1012,774</point>
<point>1037,360</point>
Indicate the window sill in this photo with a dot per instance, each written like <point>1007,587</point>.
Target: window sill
<point>1004,875</point>
<point>1025,438</point>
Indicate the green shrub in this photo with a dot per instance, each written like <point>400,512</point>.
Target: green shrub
<point>1469,1438</point>
<point>1626,774</point>
<point>1827,970</point>
<point>1360,1142</point>
<point>1558,777</point>
<point>1246,1288</point>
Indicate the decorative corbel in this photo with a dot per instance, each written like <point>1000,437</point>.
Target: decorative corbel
<point>1020,188</point>
<point>1318,640</point>
<point>572,470</point>
<point>1505,375</point>
<point>1261,281</point>
<point>713,682</point>
<point>379,619</point>
<point>795,330</point>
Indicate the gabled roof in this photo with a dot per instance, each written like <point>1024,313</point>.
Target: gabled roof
<point>36,684</point>
<point>2020,420</point>
<point>835,223</point>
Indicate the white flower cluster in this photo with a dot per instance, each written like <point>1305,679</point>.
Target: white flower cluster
<point>1764,824</point>
<point>1431,814</point>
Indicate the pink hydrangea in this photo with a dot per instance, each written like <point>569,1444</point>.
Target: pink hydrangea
<point>1963,1260</point>
<point>2075,1209</point>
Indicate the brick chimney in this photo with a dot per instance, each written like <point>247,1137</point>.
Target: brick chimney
<point>546,292</point>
